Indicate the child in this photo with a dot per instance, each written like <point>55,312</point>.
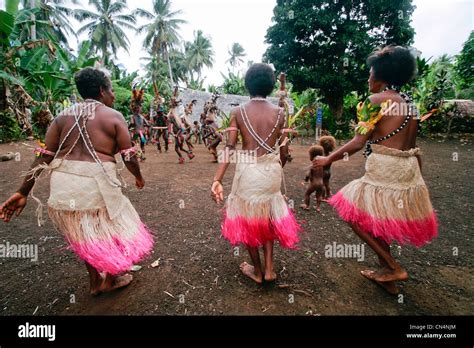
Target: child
<point>329,144</point>
<point>315,178</point>
<point>256,212</point>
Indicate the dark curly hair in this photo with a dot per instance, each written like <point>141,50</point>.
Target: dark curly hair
<point>328,143</point>
<point>315,150</point>
<point>394,65</point>
<point>260,80</point>
<point>89,80</point>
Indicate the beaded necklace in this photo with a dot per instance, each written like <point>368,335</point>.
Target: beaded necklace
<point>412,112</point>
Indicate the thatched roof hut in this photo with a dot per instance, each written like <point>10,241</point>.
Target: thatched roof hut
<point>463,107</point>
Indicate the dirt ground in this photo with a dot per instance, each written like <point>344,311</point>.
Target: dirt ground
<point>198,272</point>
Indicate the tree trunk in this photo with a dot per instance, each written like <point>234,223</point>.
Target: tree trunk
<point>33,19</point>
<point>169,67</point>
<point>336,104</point>
<point>3,96</point>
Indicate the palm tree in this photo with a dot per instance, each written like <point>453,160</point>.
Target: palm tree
<point>236,53</point>
<point>105,27</point>
<point>47,17</point>
<point>199,53</point>
<point>162,33</point>
<point>156,72</point>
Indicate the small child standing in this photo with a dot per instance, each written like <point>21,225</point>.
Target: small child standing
<point>315,177</point>
<point>329,144</point>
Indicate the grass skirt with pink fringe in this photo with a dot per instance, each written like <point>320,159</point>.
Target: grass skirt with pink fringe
<point>256,211</point>
<point>391,201</point>
<point>100,224</point>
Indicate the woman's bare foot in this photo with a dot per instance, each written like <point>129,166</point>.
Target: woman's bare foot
<point>388,275</point>
<point>318,209</point>
<point>249,271</point>
<point>390,286</point>
<point>110,283</point>
<point>270,276</point>
<point>304,206</point>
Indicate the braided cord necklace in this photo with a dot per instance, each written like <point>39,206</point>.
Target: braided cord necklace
<point>262,143</point>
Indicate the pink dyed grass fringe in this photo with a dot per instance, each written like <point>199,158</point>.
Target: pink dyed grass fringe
<point>415,232</point>
<point>115,256</point>
<point>256,232</point>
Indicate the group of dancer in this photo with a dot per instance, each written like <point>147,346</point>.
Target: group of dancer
<point>158,127</point>
<point>390,203</point>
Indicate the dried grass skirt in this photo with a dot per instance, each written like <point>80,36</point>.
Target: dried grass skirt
<point>256,211</point>
<point>98,221</point>
<point>391,201</point>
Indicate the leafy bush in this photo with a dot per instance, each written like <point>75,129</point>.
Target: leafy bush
<point>9,129</point>
<point>234,84</point>
<point>123,98</point>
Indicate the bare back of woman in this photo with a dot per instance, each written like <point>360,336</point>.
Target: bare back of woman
<point>266,119</point>
<point>102,129</point>
<point>406,138</point>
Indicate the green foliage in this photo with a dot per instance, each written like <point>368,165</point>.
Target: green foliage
<point>324,44</point>
<point>464,65</point>
<point>199,53</point>
<point>236,54</point>
<point>234,84</point>
<point>123,98</point>
<point>105,26</point>
<point>9,129</point>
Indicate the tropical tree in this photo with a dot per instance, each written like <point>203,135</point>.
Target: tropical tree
<point>199,53</point>
<point>463,68</point>
<point>106,26</point>
<point>325,45</point>
<point>45,18</point>
<point>233,84</point>
<point>236,54</point>
<point>156,72</point>
<point>162,33</point>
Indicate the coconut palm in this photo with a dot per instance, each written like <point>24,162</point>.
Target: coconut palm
<point>162,33</point>
<point>46,18</point>
<point>106,25</point>
<point>236,53</point>
<point>199,53</point>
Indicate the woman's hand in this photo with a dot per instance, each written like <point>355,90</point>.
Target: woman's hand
<point>14,204</point>
<point>217,192</point>
<point>321,161</point>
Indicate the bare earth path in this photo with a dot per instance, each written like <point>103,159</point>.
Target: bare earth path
<point>198,271</point>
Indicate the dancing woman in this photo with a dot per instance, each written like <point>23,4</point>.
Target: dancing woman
<point>391,201</point>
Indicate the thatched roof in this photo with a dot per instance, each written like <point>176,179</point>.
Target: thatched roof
<point>465,107</point>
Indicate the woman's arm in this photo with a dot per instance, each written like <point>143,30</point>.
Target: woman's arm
<point>52,143</point>
<point>17,202</point>
<point>353,146</point>
<point>217,191</point>
<point>124,143</point>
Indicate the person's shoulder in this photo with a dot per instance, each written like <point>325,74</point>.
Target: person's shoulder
<point>112,113</point>
<point>378,98</point>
